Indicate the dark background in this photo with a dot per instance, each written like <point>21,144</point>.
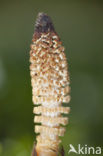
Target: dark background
<point>80,26</point>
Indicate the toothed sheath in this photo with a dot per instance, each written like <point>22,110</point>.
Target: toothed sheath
<point>50,86</point>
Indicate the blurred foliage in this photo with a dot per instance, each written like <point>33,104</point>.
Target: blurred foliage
<point>80,26</point>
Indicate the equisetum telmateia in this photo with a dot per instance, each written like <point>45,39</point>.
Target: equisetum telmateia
<point>50,86</point>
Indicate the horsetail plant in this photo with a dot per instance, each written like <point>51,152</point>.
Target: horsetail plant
<point>50,86</point>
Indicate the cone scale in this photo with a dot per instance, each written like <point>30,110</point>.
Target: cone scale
<point>50,86</point>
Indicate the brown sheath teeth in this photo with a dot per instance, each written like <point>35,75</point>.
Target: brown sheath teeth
<point>50,85</point>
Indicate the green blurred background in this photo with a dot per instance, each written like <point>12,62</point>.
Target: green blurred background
<point>80,26</point>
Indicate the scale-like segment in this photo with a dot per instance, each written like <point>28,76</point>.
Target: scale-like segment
<point>50,86</point>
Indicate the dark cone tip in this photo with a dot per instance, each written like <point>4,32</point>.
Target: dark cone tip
<point>44,23</point>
